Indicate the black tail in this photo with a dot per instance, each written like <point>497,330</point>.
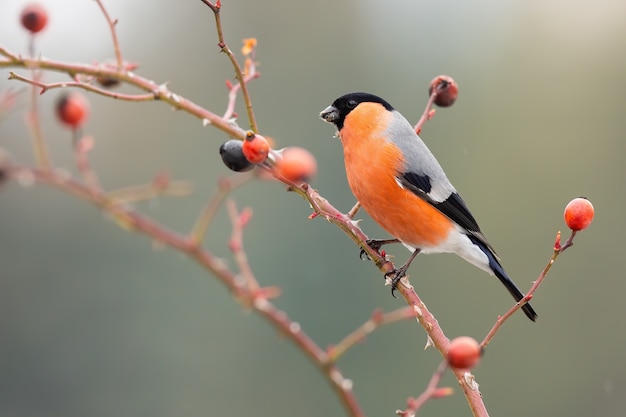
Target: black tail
<point>504,278</point>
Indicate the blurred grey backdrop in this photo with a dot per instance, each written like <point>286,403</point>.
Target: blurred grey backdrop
<point>95,322</point>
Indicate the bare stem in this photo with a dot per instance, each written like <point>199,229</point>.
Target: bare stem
<point>116,45</point>
<point>428,112</point>
<point>358,335</point>
<point>158,91</point>
<point>558,249</point>
<point>215,8</point>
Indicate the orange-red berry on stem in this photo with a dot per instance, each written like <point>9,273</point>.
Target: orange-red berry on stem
<point>464,352</point>
<point>296,165</point>
<point>578,214</point>
<point>255,148</point>
<point>447,90</point>
<point>34,18</point>
<point>72,109</point>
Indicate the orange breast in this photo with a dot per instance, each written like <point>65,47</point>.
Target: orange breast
<point>372,164</point>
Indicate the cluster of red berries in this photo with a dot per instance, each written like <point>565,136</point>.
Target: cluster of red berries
<point>293,164</point>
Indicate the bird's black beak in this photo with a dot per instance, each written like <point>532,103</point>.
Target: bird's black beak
<point>330,114</point>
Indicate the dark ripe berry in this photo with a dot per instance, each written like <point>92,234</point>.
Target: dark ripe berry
<point>446,88</point>
<point>34,18</point>
<point>232,156</point>
<point>578,214</point>
<point>255,148</point>
<point>107,82</point>
<point>72,109</point>
<point>464,352</point>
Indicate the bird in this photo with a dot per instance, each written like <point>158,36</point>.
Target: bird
<point>401,185</point>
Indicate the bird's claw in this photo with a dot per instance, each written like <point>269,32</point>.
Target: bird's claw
<point>396,275</point>
<point>375,244</point>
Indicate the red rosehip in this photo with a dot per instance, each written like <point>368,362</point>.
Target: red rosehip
<point>72,109</point>
<point>578,214</point>
<point>255,148</point>
<point>296,165</point>
<point>232,156</point>
<point>464,352</point>
<point>34,18</point>
<point>446,88</point>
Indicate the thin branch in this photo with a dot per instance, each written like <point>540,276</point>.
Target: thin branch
<point>428,114</point>
<point>377,320</point>
<point>129,219</point>
<point>215,8</point>
<point>82,85</point>
<point>159,91</point>
<point>206,216</point>
<point>116,45</point>
<point>432,391</point>
<point>82,147</point>
<point>558,249</point>
<point>354,210</point>
<point>239,222</point>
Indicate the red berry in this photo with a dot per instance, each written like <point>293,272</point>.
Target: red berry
<point>72,109</point>
<point>296,165</point>
<point>34,18</point>
<point>578,214</point>
<point>446,88</point>
<point>255,148</point>
<point>232,156</point>
<point>464,352</point>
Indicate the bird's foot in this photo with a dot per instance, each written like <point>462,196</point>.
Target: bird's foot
<point>396,275</point>
<point>376,244</point>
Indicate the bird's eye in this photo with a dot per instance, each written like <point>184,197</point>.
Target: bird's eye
<point>352,104</point>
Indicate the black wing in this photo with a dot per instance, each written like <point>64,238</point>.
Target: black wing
<point>453,207</point>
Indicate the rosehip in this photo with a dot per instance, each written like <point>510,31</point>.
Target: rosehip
<point>578,214</point>
<point>255,148</point>
<point>232,156</point>
<point>446,88</point>
<point>72,109</point>
<point>34,18</point>
<point>296,165</point>
<point>464,352</point>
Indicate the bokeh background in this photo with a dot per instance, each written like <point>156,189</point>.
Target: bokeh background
<point>95,321</point>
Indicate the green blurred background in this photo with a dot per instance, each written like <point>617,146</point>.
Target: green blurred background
<point>95,321</point>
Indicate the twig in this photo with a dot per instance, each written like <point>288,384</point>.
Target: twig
<point>206,216</point>
<point>161,185</point>
<point>358,335</point>
<point>215,8</point>
<point>428,114</point>
<point>130,219</point>
<point>232,93</point>
<point>159,91</point>
<point>82,146</point>
<point>558,249</point>
<point>239,221</point>
<point>42,154</point>
<point>432,391</point>
<point>82,85</point>
<point>116,45</point>
<point>354,210</point>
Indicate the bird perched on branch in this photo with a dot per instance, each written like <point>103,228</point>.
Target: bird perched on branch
<point>403,188</point>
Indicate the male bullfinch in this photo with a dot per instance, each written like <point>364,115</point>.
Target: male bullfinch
<point>403,188</point>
